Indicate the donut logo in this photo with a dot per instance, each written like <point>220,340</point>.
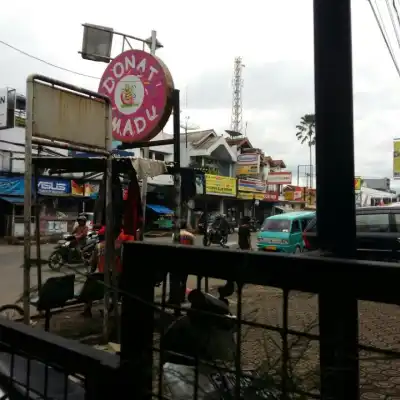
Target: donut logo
<point>139,87</point>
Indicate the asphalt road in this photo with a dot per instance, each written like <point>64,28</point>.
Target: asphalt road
<point>11,260</point>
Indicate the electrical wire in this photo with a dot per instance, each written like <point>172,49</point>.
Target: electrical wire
<point>381,26</point>
<point>47,62</point>
<point>392,19</point>
<point>396,10</point>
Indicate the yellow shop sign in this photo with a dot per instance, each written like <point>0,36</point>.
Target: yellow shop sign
<point>220,185</point>
<point>251,196</point>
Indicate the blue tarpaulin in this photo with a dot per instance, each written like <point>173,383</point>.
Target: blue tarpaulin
<point>160,209</point>
<point>13,200</point>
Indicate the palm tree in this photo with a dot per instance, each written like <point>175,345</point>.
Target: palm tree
<point>306,134</point>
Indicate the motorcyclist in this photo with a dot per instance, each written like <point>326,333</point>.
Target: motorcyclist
<point>80,232</point>
<point>221,226</point>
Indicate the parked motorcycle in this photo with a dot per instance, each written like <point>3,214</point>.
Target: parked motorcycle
<point>66,251</point>
<point>213,236</point>
<point>210,338</point>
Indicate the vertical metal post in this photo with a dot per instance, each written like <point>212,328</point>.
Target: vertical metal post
<point>177,158</point>
<point>37,228</point>
<point>298,175</point>
<point>28,198</point>
<point>110,239</point>
<point>146,150</point>
<point>338,315</point>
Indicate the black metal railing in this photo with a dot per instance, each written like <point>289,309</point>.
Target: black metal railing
<point>287,360</point>
<point>39,365</point>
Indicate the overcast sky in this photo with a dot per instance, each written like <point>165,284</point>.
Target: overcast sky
<point>275,39</point>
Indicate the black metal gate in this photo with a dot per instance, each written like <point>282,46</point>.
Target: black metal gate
<point>335,277</point>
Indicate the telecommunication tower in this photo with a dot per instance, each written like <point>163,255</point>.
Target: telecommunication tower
<point>237,106</point>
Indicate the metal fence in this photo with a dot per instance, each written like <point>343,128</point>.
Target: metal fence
<point>339,281</point>
<point>281,343</point>
<point>38,365</point>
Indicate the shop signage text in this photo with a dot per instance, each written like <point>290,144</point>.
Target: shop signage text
<point>248,164</point>
<point>357,183</point>
<point>3,108</point>
<point>220,185</point>
<point>251,185</point>
<point>250,196</point>
<point>86,189</point>
<point>53,187</point>
<point>396,158</point>
<point>139,86</point>
<point>271,196</point>
<point>12,185</point>
<point>279,178</point>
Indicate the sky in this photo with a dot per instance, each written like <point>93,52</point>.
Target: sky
<point>201,40</point>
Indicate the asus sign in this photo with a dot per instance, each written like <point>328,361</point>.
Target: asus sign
<point>53,187</point>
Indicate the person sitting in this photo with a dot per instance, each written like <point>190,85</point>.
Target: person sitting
<point>221,225</point>
<point>80,232</point>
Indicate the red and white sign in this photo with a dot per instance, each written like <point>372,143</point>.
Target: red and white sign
<point>279,178</point>
<point>139,87</point>
<point>271,196</point>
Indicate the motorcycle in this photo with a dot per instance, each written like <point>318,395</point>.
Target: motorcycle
<point>210,338</point>
<point>66,251</point>
<point>254,225</point>
<point>213,236</point>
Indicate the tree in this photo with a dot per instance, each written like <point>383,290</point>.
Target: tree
<point>306,134</point>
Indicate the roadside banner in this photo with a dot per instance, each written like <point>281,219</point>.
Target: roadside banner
<point>396,158</point>
<point>248,164</point>
<point>220,185</point>
<point>357,183</point>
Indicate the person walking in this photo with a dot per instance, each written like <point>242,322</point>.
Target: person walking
<point>178,282</point>
<point>244,243</point>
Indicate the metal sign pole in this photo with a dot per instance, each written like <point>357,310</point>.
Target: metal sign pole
<point>109,267</point>
<point>146,150</point>
<point>28,202</point>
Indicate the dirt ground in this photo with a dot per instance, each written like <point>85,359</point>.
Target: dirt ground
<point>262,349</point>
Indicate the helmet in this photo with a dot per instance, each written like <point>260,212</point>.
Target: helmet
<point>81,218</point>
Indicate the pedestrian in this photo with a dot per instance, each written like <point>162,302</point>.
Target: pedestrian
<point>178,282</point>
<point>244,234</point>
<point>244,242</point>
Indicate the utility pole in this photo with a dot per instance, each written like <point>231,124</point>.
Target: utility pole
<point>146,150</point>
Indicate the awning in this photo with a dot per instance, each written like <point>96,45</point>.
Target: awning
<point>160,209</point>
<point>13,200</point>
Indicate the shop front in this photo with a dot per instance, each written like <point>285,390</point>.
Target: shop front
<point>219,195</point>
<point>252,193</point>
<point>53,198</point>
<point>11,202</point>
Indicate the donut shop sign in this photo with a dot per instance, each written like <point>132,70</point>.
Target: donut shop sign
<point>139,87</point>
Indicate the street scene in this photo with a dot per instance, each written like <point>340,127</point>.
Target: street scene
<point>12,265</point>
<point>135,155</point>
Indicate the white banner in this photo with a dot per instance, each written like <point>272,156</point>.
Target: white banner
<point>279,178</point>
<point>3,108</point>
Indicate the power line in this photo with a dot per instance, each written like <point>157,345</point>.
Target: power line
<point>381,26</point>
<point>392,19</point>
<point>46,62</point>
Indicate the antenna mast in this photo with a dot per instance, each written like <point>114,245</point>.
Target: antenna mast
<point>237,106</point>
